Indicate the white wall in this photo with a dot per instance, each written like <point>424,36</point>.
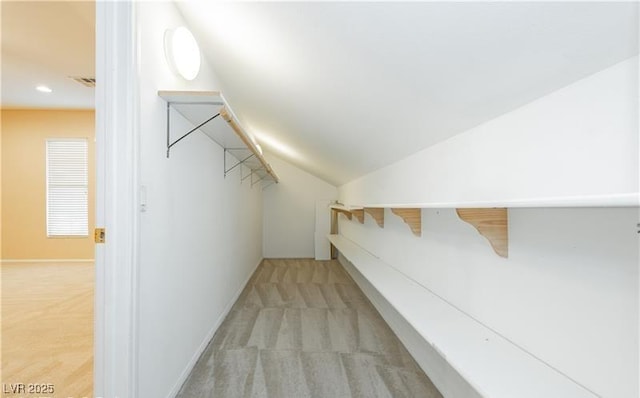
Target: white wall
<point>289,211</point>
<point>568,293</point>
<point>201,236</point>
<point>580,140</point>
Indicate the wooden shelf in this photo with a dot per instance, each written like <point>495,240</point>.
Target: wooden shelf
<point>412,216</point>
<point>377,213</point>
<point>461,343</point>
<point>200,106</point>
<point>492,224</point>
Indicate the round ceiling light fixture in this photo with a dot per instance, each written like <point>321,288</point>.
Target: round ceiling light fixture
<point>182,52</point>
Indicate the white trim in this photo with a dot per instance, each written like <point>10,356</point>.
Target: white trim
<point>629,199</point>
<point>205,342</point>
<point>638,224</point>
<point>117,169</point>
<point>48,260</point>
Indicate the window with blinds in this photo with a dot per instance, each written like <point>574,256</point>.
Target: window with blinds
<point>67,187</point>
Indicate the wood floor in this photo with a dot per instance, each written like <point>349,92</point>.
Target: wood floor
<point>303,328</point>
<point>47,328</point>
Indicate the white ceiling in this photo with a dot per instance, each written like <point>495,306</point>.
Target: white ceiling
<point>342,89</point>
<point>44,43</point>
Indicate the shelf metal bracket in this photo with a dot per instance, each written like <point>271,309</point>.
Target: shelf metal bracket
<point>257,181</point>
<point>227,170</point>
<point>248,175</point>
<point>268,185</point>
<point>169,143</point>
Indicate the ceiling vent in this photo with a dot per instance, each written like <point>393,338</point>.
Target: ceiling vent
<point>85,81</point>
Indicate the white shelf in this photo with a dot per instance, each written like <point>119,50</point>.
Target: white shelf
<point>192,97</point>
<point>492,365</point>
<point>345,208</point>
<point>615,200</point>
<point>199,106</point>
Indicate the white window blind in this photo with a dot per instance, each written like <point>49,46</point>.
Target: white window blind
<point>67,187</point>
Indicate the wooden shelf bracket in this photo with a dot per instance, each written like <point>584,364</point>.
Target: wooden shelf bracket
<point>359,214</point>
<point>344,212</point>
<point>377,213</point>
<point>411,216</point>
<point>490,223</point>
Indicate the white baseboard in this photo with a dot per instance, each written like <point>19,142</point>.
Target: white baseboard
<point>203,346</point>
<point>289,258</point>
<point>47,260</point>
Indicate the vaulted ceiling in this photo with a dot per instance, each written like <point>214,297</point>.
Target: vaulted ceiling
<point>342,89</point>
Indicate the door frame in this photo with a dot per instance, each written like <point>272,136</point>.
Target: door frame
<point>117,165</point>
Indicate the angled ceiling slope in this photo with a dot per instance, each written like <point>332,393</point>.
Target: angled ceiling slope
<point>342,89</point>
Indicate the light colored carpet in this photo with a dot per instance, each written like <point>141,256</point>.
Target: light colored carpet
<point>302,328</point>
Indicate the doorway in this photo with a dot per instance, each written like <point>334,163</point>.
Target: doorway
<point>48,198</point>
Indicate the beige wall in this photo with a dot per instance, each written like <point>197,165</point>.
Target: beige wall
<point>24,232</point>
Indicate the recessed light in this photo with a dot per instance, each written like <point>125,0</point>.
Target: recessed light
<point>44,89</point>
